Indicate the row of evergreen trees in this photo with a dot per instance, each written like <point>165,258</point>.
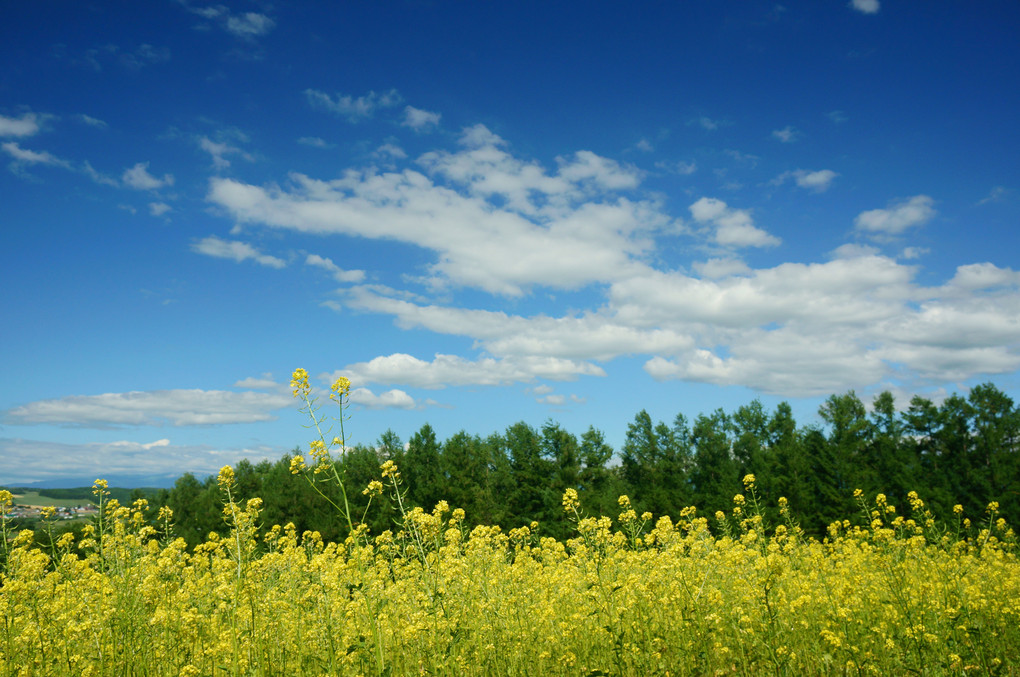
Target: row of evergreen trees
<point>964,451</point>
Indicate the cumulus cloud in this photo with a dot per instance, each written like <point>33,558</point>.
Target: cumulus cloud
<point>853,250</point>
<point>496,222</point>
<point>419,119</point>
<point>91,121</point>
<point>678,167</point>
<point>503,224</point>
<point>235,251</point>
<point>139,178</point>
<point>818,181</point>
<point>451,370</point>
<point>352,108</point>
<point>865,6</point>
<point>132,59</point>
<point>997,194</point>
<point>720,267</point>
<point>98,176</point>
<point>151,408</point>
<point>263,382</point>
<point>338,273</point>
<point>159,208</point>
<point>391,399</point>
<point>26,125</point>
<point>733,227</point>
<point>159,461</point>
<point>984,276</point>
<point>314,142</point>
<point>708,123</point>
<point>219,150</point>
<point>793,330</point>
<point>24,156</point>
<point>390,151</point>
<point>563,346</point>
<point>249,25</point>
<point>144,55</point>
<point>786,135</point>
<point>897,217</point>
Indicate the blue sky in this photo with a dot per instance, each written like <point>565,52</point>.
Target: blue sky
<point>483,213</point>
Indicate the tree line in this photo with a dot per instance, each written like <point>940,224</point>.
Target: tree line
<point>962,451</point>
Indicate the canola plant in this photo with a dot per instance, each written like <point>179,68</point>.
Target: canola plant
<point>884,594</point>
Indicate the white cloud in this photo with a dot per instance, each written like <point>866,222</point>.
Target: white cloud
<point>708,123</point>
<point>236,251</point>
<point>138,177</point>
<point>452,370</point>
<point>26,125</point>
<point>353,109</point>
<point>914,252</point>
<point>818,181</point>
<point>420,120</point>
<point>718,268</point>
<point>249,25</point>
<point>678,167</point>
<point>92,122</point>
<point>97,176</point>
<point>865,6</point>
<point>159,208</point>
<point>495,222</point>
<point>338,273</point>
<point>607,174</point>
<point>391,399</point>
<point>837,116</point>
<point>734,227</point>
<point>211,12</point>
<point>144,55</point>
<point>34,460</point>
<point>997,194</point>
<point>219,150</point>
<point>795,329</point>
<point>503,224</point>
<point>787,134</point>
<point>24,156</point>
<point>562,345</point>
<point>897,217</point>
<point>479,136</point>
<point>314,141</point>
<point>263,382</point>
<point>744,159</point>
<point>152,408</point>
<point>134,60</point>
<point>854,250</point>
<point>391,151</point>
<point>982,276</point>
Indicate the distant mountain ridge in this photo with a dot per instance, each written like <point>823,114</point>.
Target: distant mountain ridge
<point>122,481</point>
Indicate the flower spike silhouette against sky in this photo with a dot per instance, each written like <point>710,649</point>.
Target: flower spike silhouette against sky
<point>484,214</point>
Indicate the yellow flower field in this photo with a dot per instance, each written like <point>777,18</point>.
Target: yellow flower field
<point>889,598</point>
<point>631,595</point>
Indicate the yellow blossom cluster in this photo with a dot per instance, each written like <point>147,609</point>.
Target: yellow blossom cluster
<point>881,594</point>
<point>874,599</point>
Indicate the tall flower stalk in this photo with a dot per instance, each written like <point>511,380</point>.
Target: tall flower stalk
<point>321,448</point>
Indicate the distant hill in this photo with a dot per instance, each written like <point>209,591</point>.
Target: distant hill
<point>125,481</point>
